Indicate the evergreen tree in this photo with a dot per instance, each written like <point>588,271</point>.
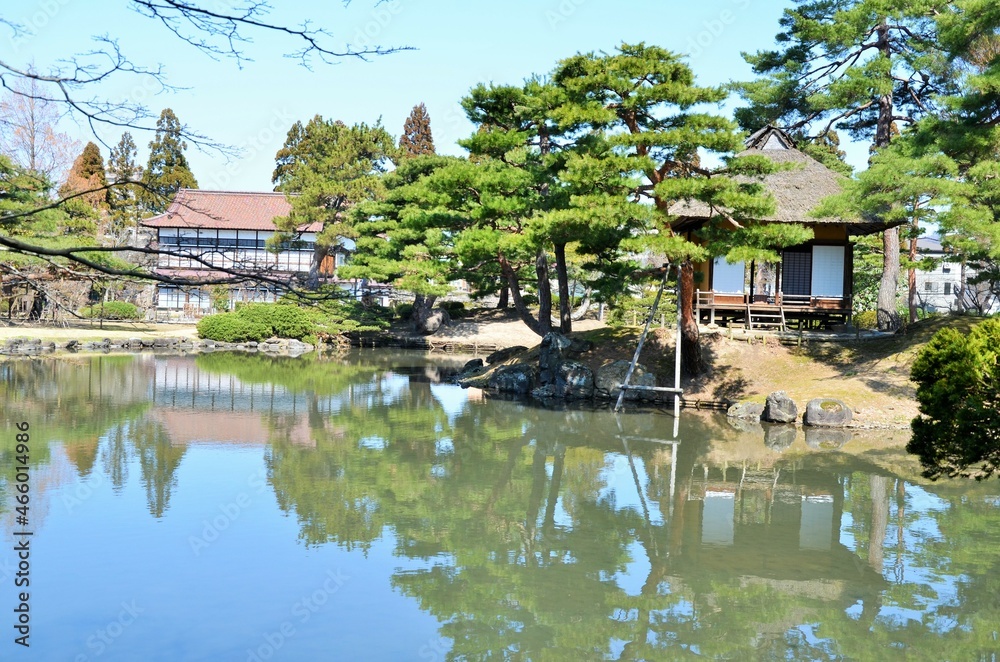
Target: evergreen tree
<point>331,166</point>
<point>859,65</point>
<point>167,170</point>
<point>417,139</point>
<point>958,388</point>
<point>87,176</point>
<point>124,204</point>
<point>643,99</point>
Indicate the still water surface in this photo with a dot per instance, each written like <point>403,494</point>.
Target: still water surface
<point>235,507</point>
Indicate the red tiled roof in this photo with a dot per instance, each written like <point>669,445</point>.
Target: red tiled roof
<point>225,210</point>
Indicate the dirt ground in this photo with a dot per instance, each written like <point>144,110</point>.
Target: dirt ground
<point>499,327</point>
<point>84,331</point>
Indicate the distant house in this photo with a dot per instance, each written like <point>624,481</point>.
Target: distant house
<point>229,230</point>
<point>940,289</point>
<point>813,283</point>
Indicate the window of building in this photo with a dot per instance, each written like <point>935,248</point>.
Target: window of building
<point>946,268</point>
<point>947,288</point>
<point>928,286</point>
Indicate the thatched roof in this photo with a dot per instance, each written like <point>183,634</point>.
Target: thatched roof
<point>796,192</point>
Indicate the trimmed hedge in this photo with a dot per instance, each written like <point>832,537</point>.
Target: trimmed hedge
<point>230,327</point>
<point>111,310</point>
<point>283,320</point>
<point>258,321</point>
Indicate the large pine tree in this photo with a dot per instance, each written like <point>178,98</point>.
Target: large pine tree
<point>417,139</point>
<point>869,67</point>
<point>167,169</point>
<point>331,166</point>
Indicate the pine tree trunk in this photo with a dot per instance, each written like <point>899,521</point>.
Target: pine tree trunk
<point>522,309</point>
<point>319,253</point>
<point>544,292</point>
<point>888,317</point>
<point>504,301</point>
<point>692,361</point>
<point>565,304</point>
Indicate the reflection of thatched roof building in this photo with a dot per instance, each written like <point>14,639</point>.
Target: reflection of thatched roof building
<point>813,283</point>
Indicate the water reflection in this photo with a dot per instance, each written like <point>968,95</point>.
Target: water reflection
<point>531,533</point>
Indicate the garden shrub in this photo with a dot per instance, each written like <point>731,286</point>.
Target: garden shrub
<point>111,310</point>
<point>283,320</point>
<point>230,327</point>
<point>456,309</point>
<point>404,311</point>
<point>958,390</point>
<point>866,319</point>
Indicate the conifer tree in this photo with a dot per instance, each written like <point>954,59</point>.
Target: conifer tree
<point>865,66</point>
<point>167,169</point>
<point>331,166</point>
<point>417,139</point>
<point>124,204</point>
<point>87,176</point>
<point>645,101</point>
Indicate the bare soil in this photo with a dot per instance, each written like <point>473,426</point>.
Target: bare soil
<point>84,331</point>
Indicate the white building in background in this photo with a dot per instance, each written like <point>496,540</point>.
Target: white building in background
<point>229,230</point>
<point>939,290</point>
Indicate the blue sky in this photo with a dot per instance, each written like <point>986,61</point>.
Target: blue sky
<point>457,45</point>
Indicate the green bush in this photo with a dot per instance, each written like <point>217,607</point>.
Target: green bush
<point>456,309</point>
<point>111,310</point>
<point>230,327</point>
<point>958,389</point>
<point>866,319</point>
<point>283,320</point>
<point>404,311</point>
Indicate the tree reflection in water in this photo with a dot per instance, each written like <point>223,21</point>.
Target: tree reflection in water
<point>536,534</point>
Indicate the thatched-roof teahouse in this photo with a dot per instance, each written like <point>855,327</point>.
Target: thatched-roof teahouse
<point>813,283</point>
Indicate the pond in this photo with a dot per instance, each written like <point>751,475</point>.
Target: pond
<point>241,507</point>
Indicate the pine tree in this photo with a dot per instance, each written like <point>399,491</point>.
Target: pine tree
<point>643,100</point>
<point>417,139</point>
<point>124,196</point>
<point>331,166</point>
<point>167,169</point>
<point>861,65</point>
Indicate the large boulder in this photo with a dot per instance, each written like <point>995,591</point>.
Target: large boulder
<point>550,355</point>
<point>439,317</point>
<point>779,408</point>
<point>609,378</point>
<point>827,413</point>
<point>518,379</point>
<point>502,355</point>
<point>574,380</point>
<point>746,411</point>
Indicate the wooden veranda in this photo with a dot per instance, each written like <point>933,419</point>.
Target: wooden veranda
<point>777,312</point>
